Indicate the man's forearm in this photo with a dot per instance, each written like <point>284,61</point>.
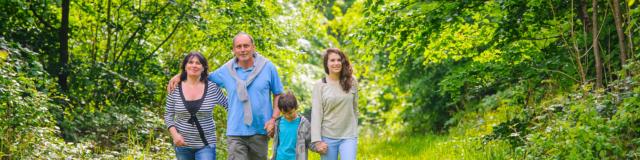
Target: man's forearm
<point>276,111</point>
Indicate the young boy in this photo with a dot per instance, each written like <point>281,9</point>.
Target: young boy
<point>291,138</point>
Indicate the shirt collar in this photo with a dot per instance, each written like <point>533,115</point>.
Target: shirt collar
<point>237,67</point>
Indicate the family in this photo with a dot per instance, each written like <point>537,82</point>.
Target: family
<point>258,109</point>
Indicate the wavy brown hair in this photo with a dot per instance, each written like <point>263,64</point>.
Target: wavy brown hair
<point>346,78</point>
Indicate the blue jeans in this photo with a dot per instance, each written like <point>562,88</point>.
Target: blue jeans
<point>205,153</point>
<point>346,147</point>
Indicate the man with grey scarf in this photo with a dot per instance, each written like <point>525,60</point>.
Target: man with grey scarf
<point>251,81</point>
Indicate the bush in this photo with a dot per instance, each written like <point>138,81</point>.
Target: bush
<point>28,128</point>
<point>581,124</point>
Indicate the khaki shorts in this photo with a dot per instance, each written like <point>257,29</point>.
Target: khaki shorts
<point>248,147</point>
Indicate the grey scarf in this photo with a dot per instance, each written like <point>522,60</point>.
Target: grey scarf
<point>241,85</point>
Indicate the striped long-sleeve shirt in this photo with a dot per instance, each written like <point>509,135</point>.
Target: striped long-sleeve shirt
<point>177,115</point>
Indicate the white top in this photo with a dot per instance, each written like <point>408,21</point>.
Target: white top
<point>334,112</point>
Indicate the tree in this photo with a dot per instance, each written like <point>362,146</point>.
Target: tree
<point>64,48</point>
<point>595,43</point>
<point>621,43</point>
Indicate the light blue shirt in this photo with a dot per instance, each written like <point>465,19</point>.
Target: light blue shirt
<point>260,92</point>
<point>287,139</point>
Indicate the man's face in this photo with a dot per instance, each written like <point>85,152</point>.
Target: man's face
<point>243,48</point>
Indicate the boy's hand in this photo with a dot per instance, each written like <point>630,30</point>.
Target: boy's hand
<point>271,134</point>
<point>173,83</point>
<point>269,127</point>
<point>322,147</point>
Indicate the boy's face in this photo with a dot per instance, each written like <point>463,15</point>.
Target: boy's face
<point>290,114</point>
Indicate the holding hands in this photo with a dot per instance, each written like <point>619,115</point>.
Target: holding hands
<point>322,147</point>
<point>270,127</point>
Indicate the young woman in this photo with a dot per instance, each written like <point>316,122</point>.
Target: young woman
<point>188,114</point>
<point>334,110</point>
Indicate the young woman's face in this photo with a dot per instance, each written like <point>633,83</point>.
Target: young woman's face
<point>334,63</point>
<point>194,67</point>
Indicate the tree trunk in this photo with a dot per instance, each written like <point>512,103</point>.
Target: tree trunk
<point>584,15</point>
<point>105,58</point>
<point>629,36</point>
<point>64,48</point>
<point>574,44</point>
<point>621,42</point>
<point>595,43</point>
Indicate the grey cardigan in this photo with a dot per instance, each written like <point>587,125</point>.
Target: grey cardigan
<point>303,140</point>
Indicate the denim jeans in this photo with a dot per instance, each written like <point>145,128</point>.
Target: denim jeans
<point>345,147</point>
<point>205,153</point>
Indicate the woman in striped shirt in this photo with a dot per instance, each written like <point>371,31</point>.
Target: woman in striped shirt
<point>188,114</point>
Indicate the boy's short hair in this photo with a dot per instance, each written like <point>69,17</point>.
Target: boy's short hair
<point>287,102</point>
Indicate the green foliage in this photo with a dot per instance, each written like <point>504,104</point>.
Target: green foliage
<point>577,125</point>
<point>514,78</point>
<point>26,119</point>
<point>571,130</point>
<point>26,108</point>
<point>510,131</point>
<point>124,52</point>
<point>463,50</point>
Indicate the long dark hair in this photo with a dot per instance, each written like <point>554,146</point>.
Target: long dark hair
<point>346,78</point>
<point>205,66</point>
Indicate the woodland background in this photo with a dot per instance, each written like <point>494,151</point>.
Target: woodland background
<point>464,79</point>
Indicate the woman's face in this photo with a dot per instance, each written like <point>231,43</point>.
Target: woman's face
<point>334,63</point>
<point>194,67</point>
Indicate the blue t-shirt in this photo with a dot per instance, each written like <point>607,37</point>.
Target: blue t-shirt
<point>287,139</point>
<point>260,92</point>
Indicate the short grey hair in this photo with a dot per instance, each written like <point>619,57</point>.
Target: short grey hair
<point>241,34</point>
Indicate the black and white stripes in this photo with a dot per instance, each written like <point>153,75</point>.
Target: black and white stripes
<point>177,115</point>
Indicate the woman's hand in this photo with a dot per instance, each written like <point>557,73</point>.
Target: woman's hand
<point>178,140</point>
<point>322,147</point>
